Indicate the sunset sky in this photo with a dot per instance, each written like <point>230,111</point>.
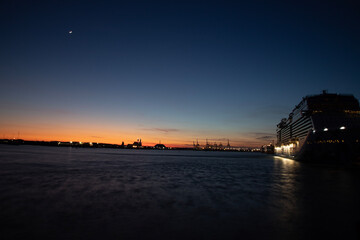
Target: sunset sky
<point>169,71</point>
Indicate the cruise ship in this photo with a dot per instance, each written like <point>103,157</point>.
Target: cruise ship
<point>321,128</point>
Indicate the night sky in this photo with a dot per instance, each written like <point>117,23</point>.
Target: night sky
<point>174,71</point>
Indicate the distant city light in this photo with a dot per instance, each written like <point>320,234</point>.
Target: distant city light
<point>325,129</point>
<point>342,128</point>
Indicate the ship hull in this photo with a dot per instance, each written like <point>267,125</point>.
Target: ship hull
<point>339,146</point>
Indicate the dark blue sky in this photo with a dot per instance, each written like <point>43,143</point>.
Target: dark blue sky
<point>172,70</point>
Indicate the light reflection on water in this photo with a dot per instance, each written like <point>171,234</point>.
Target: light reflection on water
<point>103,193</point>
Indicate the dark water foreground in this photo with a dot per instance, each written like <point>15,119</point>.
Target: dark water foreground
<point>67,193</point>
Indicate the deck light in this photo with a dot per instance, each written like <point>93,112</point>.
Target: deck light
<point>342,128</point>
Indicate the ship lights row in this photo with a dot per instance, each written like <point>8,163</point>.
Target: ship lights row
<point>328,141</point>
<point>286,148</point>
<point>326,129</point>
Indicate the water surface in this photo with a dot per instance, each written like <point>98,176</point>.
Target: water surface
<point>74,193</point>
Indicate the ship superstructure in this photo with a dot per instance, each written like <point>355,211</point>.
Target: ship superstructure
<point>322,127</point>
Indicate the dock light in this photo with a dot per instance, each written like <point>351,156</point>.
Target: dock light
<point>325,129</point>
<point>342,128</point>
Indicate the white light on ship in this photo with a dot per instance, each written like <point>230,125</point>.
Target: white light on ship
<point>325,129</point>
<point>342,128</point>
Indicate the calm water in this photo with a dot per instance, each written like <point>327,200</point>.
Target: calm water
<point>67,193</point>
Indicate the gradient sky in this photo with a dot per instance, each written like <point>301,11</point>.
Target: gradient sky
<point>174,71</point>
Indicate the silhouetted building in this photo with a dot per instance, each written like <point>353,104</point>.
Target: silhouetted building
<point>160,146</point>
<point>269,149</point>
<point>137,144</point>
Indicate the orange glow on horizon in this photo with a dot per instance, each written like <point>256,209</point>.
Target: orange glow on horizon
<point>118,140</point>
<point>175,140</point>
<point>91,131</point>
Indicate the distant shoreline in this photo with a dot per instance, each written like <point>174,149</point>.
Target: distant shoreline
<point>108,145</point>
